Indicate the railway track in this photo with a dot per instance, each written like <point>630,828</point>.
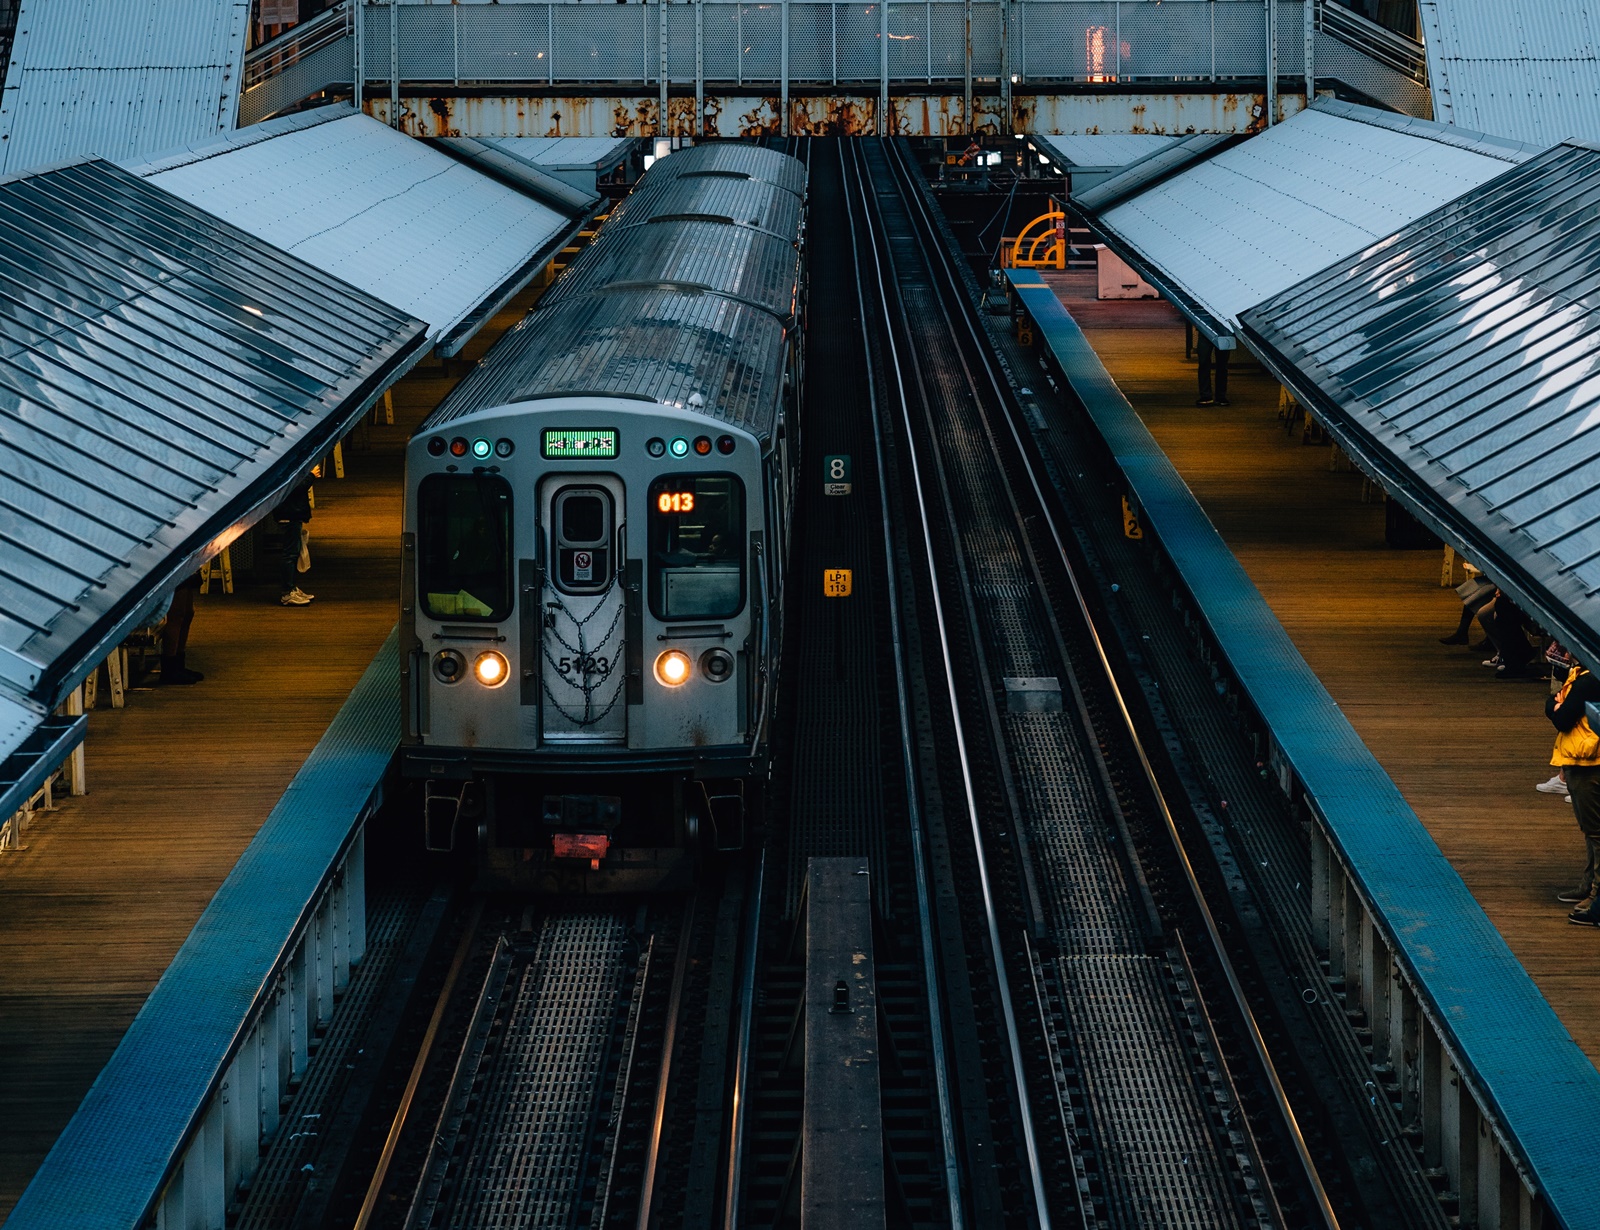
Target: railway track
<point>1102,1073</point>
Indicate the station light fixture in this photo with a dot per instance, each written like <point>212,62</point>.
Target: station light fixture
<point>673,667</point>
<point>491,668</point>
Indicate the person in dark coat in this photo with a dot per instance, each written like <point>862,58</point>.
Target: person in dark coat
<point>292,514</point>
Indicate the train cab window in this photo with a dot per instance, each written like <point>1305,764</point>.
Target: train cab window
<point>696,546</point>
<point>581,530</point>
<point>464,546</point>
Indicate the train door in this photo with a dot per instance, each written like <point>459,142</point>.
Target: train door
<point>583,668</point>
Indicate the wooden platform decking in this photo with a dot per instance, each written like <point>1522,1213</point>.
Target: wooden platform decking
<point>110,884</point>
<point>1465,749</point>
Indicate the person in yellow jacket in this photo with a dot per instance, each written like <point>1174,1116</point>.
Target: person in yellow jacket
<point>1577,754</point>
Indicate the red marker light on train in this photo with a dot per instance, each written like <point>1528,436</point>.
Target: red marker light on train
<point>458,447</point>
<point>725,445</point>
<point>702,445</point>
<point>436,446</point>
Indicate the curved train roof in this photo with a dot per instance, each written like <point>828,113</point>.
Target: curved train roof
<point>739,262</point>
<point>660,312</point>
<point>730,200</point>
<point>662,345</point>
<point>734,160</point>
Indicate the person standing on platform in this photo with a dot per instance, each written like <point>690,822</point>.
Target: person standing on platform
<point>1213,373</point>
<point>175,634</point>
<point>1577,754</point>
<point>292,514</point>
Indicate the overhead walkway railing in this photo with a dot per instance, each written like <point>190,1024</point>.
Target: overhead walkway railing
<point>177,1119</point>
<point>869,59</point>
<point>1485,1073</point>
<point>167,376</point>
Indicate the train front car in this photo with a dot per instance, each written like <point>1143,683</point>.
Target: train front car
<point>595,529</point>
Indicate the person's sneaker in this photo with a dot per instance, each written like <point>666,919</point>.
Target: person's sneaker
<point>295,597</point>
<point>1455,638</point>
<point>1572,896</point>
<point>1554,786</point>
<point>1223,401</point>
<point>1493,662</point>
<point>1205,401</point>
<point>1584,918</point>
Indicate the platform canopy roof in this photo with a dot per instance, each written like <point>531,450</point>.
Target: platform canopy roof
<point>579,161</point>
<point>397,217</point>
<point>1098,151</point>
<point>1218,225</point>
<point>1458,360</point>
<point>119,79</point>
<point>164,377</point>
<point>1527,69</point>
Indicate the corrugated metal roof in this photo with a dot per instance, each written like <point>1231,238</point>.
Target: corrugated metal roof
<point>1257,217</point>
<point>736,261</point>
<point>1459,359</point>
<point>162,375</point>
<point>119,79</point>
<point>1101,149</point>
<point>403,221</point>
<point>1526,69</point>
<point>566,153</point>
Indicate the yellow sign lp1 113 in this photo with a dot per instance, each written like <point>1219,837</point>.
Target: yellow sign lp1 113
<point>836,582</point>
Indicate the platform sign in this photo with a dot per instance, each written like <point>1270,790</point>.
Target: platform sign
<point>836,582</point>
<point>836,469</point>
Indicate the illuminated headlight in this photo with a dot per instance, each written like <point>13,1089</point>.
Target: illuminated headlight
<point>491,668</point>
<point>673,667</point>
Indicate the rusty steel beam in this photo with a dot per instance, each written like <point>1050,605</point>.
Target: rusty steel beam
<point>741,113</point>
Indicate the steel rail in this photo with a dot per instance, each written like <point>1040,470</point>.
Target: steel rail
<point>680,971</point>
<point>1000,391</point>
<point>919,857</point>
<point>741,1061</point>
<point>369,1204</point>
<point>996,948</point>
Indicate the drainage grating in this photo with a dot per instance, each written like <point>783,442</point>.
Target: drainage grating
<point>537,1081</point>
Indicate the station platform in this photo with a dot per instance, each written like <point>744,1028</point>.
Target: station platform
<point>1463,747</point>
<point>110,883</point>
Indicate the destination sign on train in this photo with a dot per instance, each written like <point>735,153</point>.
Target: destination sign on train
<point>585,442</point>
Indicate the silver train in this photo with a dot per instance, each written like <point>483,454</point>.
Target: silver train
<point>596,524</point>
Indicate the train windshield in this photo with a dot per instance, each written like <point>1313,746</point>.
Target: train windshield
<point>696,546</point>
<point>464,546</point>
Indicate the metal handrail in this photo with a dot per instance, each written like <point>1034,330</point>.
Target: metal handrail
<point>323,30</point>
<point>1388,47</point>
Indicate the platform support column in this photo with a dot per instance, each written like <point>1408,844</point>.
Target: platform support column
<point>1530,1211</point>
<point>241,1094</point>
<point>1335,920</point>
<point>77,779</point>
<point>1403,1043</point>
<point>322,964</point>
<point>1492,1168</point>
<point>272,1073</point>
<point>1433,1085</point>
<point>1320,872</point>
<point>1354,913</point>
<point>355,887</point>
<point>783,72</point>
<point>1468,1129</point>
<point>300,1017</point>
<point>1375,986</point>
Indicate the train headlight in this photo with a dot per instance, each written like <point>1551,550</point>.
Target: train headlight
<point>673,667</point>
<point>717,665</point>
<point>491,668</point>
<point>449,666</point>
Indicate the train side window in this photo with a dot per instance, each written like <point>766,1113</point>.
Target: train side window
<point>696,546</point>
<point>464,546</point>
